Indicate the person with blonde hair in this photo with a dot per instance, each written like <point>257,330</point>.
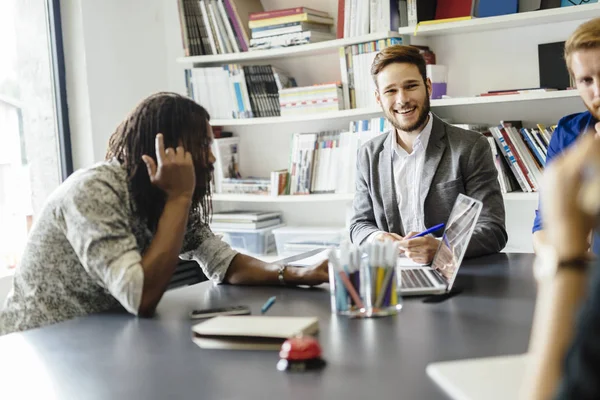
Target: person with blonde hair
<point>582,55</point>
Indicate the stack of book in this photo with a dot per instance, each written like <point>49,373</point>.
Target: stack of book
<point>235,91</point>
<point>311,99</point>
<point>228,178</point>
<point>355,64</point>
<point>215,26</point>
<point>361,17</point>
<point>244,220</point>
<point>519,153</point>
<point>289,27</point>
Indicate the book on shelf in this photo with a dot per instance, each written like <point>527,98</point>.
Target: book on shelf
<point>227,164</point>
<point>358,18</point>
<point>325,162</point>
<point>244,225</point>
<point>524,150</point>
<point>358,87</point>
<point>242,216</point>
<point>454,9</point>
<point>534,5</point>
<point>285,12</point>
<point>311,99</point>
<point>290,39</point>
<point>570,3</point>
<point>250,185</point>
<point>291,27</point>
<point>420,10</point>
<point>553,70</point>
<point>304,17</point>
<point>235,91</point>
<point>279,182</point>
<point>517,91</point>
<point>493,8</point>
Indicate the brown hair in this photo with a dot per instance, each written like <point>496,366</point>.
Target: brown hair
<point>586,36</point>
<point>398,54</point>
<point>180,120</point>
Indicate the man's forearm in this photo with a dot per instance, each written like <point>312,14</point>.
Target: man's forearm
<point>557,303</point>
<point>161,257</point>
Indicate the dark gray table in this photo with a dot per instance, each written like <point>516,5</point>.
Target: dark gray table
<point>117,356</point>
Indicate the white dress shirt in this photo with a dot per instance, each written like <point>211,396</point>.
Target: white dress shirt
<point>408,172</point>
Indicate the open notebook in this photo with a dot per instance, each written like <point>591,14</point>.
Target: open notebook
<point>491,378</point>
<point>251,332</point>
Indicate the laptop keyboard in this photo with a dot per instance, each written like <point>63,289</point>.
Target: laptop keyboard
<point>416,278</point>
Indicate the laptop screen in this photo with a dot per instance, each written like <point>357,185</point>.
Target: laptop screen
<point>456,237</point>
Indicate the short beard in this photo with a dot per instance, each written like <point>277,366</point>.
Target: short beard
<point>391,116</point>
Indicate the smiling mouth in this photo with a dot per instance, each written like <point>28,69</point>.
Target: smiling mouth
<point>405,111</point>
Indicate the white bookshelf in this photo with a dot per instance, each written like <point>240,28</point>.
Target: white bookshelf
<point>541,17</point>
<point>326,198</point>
<point>312,198</point>
<point>365,113</point>
<point>312,49</point>
<point>497,53</point>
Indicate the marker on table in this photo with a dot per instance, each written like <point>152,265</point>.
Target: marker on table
<point>267,304</point>
<point>428,231</point>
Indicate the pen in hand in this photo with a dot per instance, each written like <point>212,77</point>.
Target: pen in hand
<point>428,231</point>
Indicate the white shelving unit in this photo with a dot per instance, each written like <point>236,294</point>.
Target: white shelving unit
<point>326,198</point>
<point>312,49</point>
<point>481,54</point>
<point>312,198</point>
<point>519,20</point>
<point>364,113</point>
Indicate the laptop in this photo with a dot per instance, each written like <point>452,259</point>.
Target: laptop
<point>492,378</point>
<point>440,276</point>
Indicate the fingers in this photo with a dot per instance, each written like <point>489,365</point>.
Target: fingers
<point>413,243</point>
<point>150,165</point>
<point>410,234</point>
<point>396,236</point>
<point>159,143</point>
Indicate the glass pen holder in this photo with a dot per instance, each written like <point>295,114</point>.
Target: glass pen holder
<point>366,291</point>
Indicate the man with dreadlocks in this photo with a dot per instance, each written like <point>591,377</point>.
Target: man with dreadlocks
<point>111,235</point>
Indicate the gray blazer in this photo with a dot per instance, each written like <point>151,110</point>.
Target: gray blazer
<point>456,161</point>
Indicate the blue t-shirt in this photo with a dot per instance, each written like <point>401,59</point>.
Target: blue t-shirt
<point>567,131</point>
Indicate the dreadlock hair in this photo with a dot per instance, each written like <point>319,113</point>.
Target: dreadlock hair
<point>180,120</point>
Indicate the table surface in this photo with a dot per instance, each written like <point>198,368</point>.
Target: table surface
<point>117,356</point>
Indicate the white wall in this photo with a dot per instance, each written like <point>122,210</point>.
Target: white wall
<point>116,54</point>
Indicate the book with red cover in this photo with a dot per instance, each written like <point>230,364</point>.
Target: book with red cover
<point>340,19</point>
<point>285,12</point>
<point>453,9</point>
<point>520,162</point>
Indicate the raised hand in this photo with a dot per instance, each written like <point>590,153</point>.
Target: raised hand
<point>173,171</point>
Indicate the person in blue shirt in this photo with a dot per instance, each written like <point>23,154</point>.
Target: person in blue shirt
<point>582,55</point>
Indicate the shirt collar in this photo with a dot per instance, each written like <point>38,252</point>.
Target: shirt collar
<point>421,141</point>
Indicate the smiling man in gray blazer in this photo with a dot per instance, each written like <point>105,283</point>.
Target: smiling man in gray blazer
<point>409,177</point>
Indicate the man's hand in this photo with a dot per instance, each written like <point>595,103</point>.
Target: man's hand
<point>310,276</point>
<point>383,236</point>
<point>422,249</point>
<point>173,172</point>
<point>568,215</point>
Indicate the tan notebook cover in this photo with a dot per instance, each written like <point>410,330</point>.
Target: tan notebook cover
<point>251,332</point>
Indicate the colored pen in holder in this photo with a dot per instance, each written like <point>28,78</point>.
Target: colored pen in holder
<point>365,283</point>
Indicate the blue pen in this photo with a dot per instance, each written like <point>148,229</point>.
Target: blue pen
<point>430,230</point>
<point>267,305</point>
